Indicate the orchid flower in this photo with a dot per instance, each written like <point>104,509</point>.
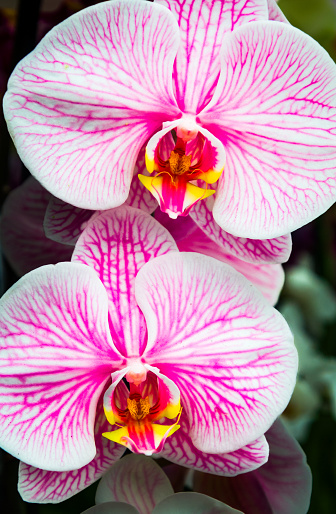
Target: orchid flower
<point>139,482</point>
<point>183,329</point>
<point>203,84</point>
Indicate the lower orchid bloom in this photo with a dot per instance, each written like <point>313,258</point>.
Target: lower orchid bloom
<point>243,106</point>
<point>137,485</point>
<point>183,329</point>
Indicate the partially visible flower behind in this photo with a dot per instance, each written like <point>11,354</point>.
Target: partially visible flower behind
<point>281,486</point>
<point>24,243</point>
<point>120,75</point>
<point>309,308</point>
<point>175,325</point>
<point>139,482</point>
<point>38,229</point>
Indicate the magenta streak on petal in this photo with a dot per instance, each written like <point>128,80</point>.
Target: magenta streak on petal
<point>83,103</point>
<point>116,244</point>
<point>56,356</point>
<point>234,363</point>
<point>268,251</point>
<point>23,240</point>
<point>40,486</point>
<point>203,24</point>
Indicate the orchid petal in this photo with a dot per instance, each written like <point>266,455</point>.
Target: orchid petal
<point>268,251</point>
<point>276,119</point>
<point>203,24</point>
<point>116,244</point>
<point>234,362</point>
<point>192,503</point>
<point>180,449</point>
<point>64,222</point>
<point>136,480</point>
<point>275,13</point>
<point>82,104</point>
<point>23,240</point>
<point>40,486</point>
<point>286,477</point>
<point>56,356</point>
<point>268,278</point>
<point>281,486</point>
<point>112,508</point>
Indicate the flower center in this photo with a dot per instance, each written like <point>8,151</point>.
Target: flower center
<point>173,183</point>
<point>138,408</point>
<point>148,400</point>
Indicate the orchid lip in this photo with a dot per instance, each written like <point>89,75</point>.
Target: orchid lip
<point>194,156</point>
<point>150,398</point>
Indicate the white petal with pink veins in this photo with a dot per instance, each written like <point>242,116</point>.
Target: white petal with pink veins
<point>136,480</point>
<point>251,250</point>
<point>274,110</point>
<point>203,24</point>
<point>116,244</point>
<point>56,355</point>
<point>227,350</point>
<point>180,449</point>
<point>40,486</point>
<point>82,104</point>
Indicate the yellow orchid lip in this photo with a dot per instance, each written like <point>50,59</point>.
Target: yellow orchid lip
<point>148,402</point>
<point>173,184</point>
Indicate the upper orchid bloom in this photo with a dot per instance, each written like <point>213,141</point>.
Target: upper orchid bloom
<point>205,84</point>
<point>181,328</point>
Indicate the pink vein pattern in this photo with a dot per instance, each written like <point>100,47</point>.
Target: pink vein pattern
<point>56,355</point>
<point>111,88</point>
<point>116,245</point>
<point>274,110</point>
<point>203,24</point>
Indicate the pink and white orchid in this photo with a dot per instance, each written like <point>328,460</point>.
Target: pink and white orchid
<point>204,84</point>
<point>182,328</point>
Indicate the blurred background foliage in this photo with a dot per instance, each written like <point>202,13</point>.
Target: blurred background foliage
<point>309,297</point>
